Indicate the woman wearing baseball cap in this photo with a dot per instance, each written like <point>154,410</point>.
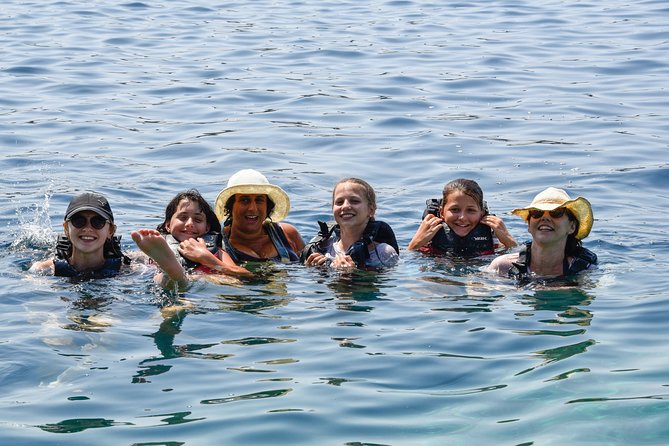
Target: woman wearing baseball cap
<point>557,224</point>
<point>88,247</point>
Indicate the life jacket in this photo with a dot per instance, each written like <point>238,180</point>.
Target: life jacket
<point>279,240</point>
<point>114,258</point>
<point>581,261</point>
<point>478,242</point>
<point>110,268</point>
<point>375,231</point>
<point>211,239</point>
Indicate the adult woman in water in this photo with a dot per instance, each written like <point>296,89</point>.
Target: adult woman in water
<point>557,224</point>
<point>251,210</point>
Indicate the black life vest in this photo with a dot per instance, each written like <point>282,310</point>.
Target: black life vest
<point>279,240</point>
<point>211,239</point>
<point>114,258</point>
<point>581,261</point>
<point>478,242</point>
<point>110,268</point>
<point>375,231</point>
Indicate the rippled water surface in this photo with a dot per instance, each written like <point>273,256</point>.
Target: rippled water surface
<point>140,100</point>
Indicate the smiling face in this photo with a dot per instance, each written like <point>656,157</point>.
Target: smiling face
<point>188,221</point>
<point>350,205</point>
<point>249,212</point>
<point>87,239</point>
<point>548,230</point>
<point>461,213</point>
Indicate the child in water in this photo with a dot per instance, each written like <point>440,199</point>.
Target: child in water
<point>459,224</point>
<point>187,241</point>
<point>357,239</point>
<point>88,247</point>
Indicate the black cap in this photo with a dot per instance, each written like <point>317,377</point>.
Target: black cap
<point>90,201</point>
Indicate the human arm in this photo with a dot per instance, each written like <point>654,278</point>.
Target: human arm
<point>382,255</point>
<point>197,251</point>
<point>426,231</point>
<point>500,230</point>
<point>44,267</point>
<point>502,264</point>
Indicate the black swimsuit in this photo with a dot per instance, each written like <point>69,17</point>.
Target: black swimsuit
<point>279,240</point>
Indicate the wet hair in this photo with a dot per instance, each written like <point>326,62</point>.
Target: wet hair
<point>231,201</point>
<point>190,195</point>
<point>574,245</point>
<point>467,187</point>
<point>368,190</point>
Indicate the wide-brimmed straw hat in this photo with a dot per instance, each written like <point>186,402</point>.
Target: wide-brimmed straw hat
<point>553,198</point>
<point>252,182</point>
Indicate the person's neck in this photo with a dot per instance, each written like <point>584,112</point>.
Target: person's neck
<point>85,261</point>
<point>547,260</point>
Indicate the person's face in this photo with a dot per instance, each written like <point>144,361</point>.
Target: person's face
<point>461,213</point>
<point>188,221</point>
<point>546,228</point>
<point>249,212</point>
<point>350,206</point>
<point>88,231</point>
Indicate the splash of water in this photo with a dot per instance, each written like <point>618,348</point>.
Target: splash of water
<point>34,228</point>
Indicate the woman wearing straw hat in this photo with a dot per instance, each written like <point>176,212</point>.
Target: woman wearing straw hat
<point>557,225</point>
<point>251,209</point>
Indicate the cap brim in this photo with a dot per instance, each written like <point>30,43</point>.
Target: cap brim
<point>98,211</point>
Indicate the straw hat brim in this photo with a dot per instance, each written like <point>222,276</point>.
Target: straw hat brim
<point>579,207</point>
<point>275,193</point>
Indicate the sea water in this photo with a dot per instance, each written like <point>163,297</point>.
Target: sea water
<point>140,100</point>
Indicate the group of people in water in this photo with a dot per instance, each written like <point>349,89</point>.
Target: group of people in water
<point>247,224</point>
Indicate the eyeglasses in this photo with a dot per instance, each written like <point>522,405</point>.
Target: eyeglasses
<point>79,221</point>
<point>555,213</point>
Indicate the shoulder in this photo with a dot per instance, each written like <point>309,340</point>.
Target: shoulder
<point>293,235</point>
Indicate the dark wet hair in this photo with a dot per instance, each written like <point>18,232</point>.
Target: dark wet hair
<point>573,246</point>
<point>370,195</point>
<point>467,187</point>
<point>231,201</point>
<point>190,195</point>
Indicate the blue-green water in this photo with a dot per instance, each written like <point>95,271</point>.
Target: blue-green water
<point>140,100</point>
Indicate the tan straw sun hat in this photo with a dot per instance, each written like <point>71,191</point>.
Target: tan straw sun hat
<point>553,198</point>
<point>252,182</point>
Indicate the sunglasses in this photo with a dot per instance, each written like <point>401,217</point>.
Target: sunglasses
<point>555,213</point>
<point>79,221</point>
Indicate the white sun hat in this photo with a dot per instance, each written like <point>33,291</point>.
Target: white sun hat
<point>553,198</point>
<point>252,182</point>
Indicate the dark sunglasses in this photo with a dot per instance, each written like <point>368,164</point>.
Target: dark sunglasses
<point>79,221</point>
<point>555,213</point>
